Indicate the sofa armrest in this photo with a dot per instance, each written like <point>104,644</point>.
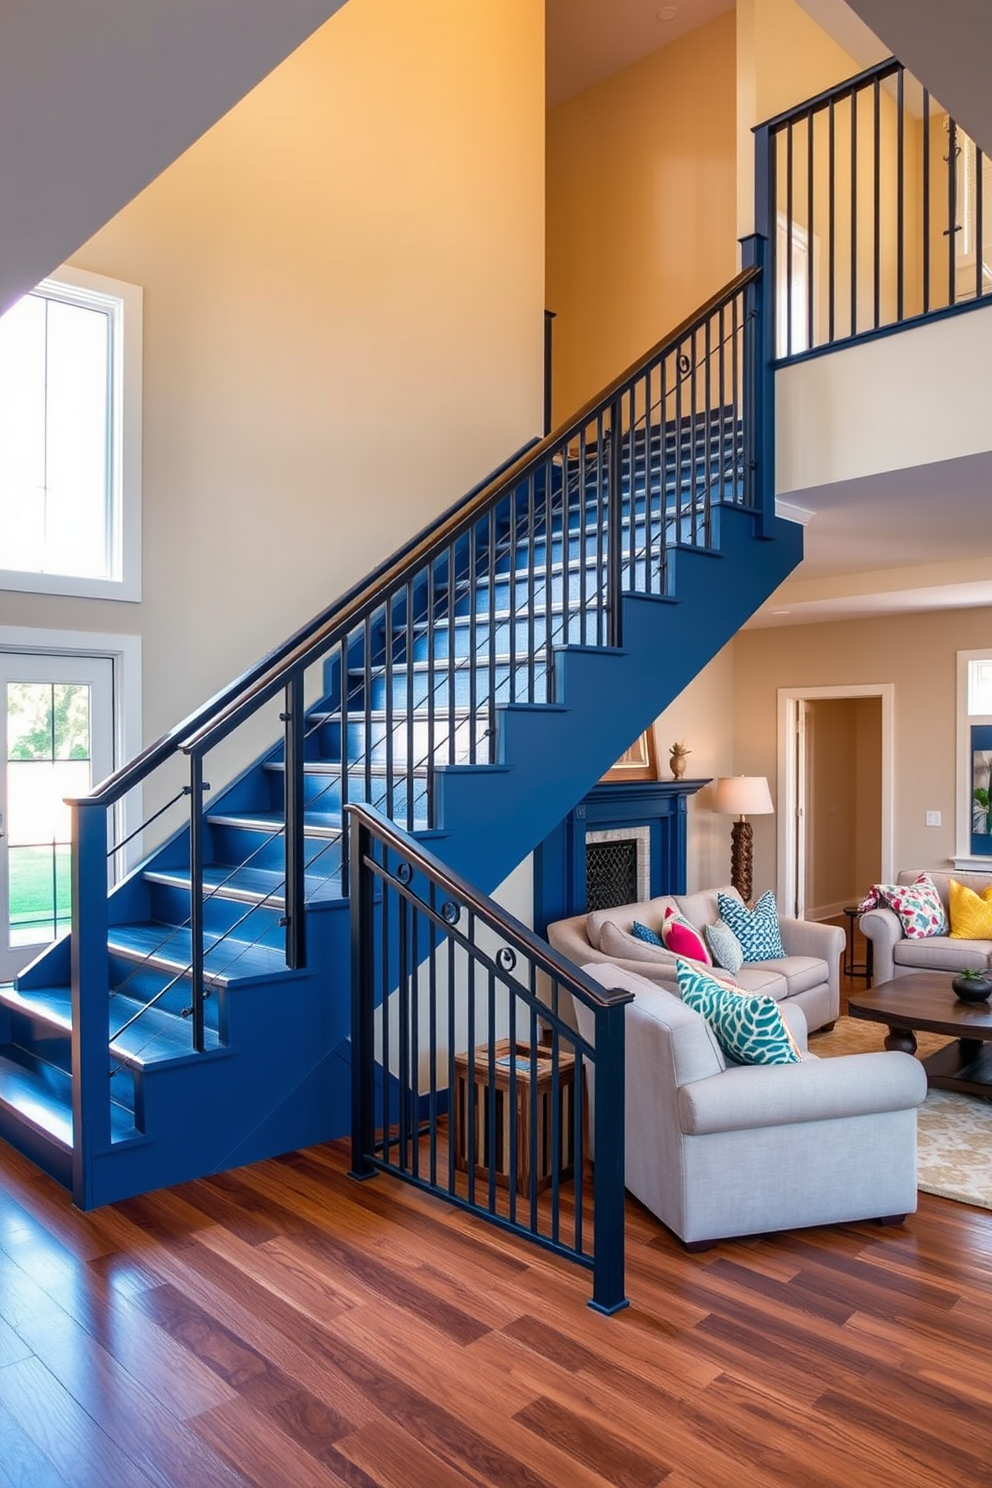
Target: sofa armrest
<point>795,1021</point>
<point>883,928</point>
<point>749,1096</point>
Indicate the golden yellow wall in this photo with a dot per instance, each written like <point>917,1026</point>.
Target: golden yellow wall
<point>343,319</point>
<point>640,221</point>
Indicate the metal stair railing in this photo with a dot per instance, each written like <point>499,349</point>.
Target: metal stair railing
<point>705,375</point>
<point>486,1069</point>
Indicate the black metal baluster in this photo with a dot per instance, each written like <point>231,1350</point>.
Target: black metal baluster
<point>493,635</point>
<point>789,233</point>
<point>854,214</point>
<point>554,1156</point>
<point>708,436</point>
<point>533,1044</point>
<point>531,593</point>
<point>411,707</point>
<point>810,235</point>
<point>458,1114</point>
<point>293,838</point>
<point>952,208</point>
<point>367,709</point>
<point>388,682</point>
<point>548,647</point>
<point>614,513</point>
<point>431,630</point>
<point>411,1086</point>
<point>362,1002</point>
<point>473,641</point>
<point>831,222</point>
<point>877,205</point>
<point>402,1024</point>
<point>926,200</point>
<point>432,1092</point>
<point>979,247</point>
<point>494,1127</point>
<point>196,925</point>
<point>452,661</point>
<point>900,196</point>
<point>389,898</point>
<point>513,1095</point>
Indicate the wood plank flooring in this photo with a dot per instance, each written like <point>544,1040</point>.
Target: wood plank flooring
<point>284,1325</point>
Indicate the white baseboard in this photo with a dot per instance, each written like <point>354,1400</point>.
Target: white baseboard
<point>830,911</point>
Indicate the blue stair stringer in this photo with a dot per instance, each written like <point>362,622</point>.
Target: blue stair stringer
<point>274,1071</point>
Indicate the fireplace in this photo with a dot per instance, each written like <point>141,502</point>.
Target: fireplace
<point>618,866</point>
<point>622,843</point>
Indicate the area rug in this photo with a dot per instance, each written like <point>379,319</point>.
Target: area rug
<point>954,1131</point>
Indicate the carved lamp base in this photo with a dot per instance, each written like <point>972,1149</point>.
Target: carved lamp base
<point>741,839</point>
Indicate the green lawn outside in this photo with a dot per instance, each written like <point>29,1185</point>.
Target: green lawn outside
<point>39,908</point>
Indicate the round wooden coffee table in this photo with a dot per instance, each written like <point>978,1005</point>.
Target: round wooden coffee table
<point>924,1001</point>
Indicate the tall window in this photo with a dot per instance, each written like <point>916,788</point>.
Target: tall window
<point>70,438</point>
<point>974,755</point>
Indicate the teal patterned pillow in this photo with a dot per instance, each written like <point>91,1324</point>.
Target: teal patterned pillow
<point>749,1027</point>
<point>641,932</point>
<point>756,929</point>
<point>725,947</point>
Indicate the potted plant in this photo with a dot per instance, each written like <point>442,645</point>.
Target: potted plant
<point>972,984</point>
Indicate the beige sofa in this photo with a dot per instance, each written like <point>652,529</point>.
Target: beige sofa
<point>716,1150</point>
<point>894,953</point>
<point>809,977</point>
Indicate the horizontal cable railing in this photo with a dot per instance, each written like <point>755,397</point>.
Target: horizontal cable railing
<point>876,206</point>
<point>406,673</point>
<point>470,1077</point>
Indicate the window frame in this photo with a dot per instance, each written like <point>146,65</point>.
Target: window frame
<point>964,857</point>
<point>79,286</point>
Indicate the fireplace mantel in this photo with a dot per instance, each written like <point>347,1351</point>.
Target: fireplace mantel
<point>560,861</point>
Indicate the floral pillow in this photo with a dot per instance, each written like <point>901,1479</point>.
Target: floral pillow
<point>919,907</point>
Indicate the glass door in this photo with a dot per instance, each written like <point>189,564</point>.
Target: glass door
<point>56,740</point>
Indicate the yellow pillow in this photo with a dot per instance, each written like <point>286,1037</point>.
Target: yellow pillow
<point>971,913</point>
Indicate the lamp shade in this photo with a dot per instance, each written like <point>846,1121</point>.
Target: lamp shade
<point>742,795</point>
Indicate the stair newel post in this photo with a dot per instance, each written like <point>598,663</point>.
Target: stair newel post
<point>614,522</point>
<point>362,1011</point>
<point>295,911</point>
<point>196,829</point>
<point>90,1000</point>
<point>608,1146</point>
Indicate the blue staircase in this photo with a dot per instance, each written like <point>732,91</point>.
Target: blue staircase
<point>198,1016</point>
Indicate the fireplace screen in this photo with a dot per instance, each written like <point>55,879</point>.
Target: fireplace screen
<point>611,873</point>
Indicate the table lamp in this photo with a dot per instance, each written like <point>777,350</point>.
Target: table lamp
<point>742,796</point>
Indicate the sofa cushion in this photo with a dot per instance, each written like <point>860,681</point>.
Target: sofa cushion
<point>749,1028</point>
<point>724,947</point>
<point>757,928</point>
<point>970,913</point>
<point>650,912</point>
<point>682,938</point>
<point>919,907</point>
<point>627,946</point>
<point>800,972</point>
<point>941,953</point>
<point>763,977</point>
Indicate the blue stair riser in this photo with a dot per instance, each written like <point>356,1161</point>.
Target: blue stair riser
<point>323,790</point>
<point>221,915</point>
<point>143,982</point>
<point>482,637</point>
<point>266,849</point>
<point>413,688</point>
<point>408,737</point>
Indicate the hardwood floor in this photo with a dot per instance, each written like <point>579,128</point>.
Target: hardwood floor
<point>284,1325</point>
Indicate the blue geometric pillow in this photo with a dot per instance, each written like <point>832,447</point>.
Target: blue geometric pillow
<point>641,932</point>
<point>756,929</point>
<point>749,1027</point>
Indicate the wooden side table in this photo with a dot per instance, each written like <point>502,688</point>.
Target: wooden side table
<point>533,1089</point>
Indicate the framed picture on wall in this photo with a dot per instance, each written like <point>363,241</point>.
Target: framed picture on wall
<point>639,761</point>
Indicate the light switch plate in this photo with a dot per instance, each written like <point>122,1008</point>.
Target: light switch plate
<point>933,818</point>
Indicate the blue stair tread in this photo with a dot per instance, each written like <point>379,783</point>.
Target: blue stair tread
<point>315,823</point>
<point>250,885</point>
<point>41,1095</point>
<point>170,946</point>
<point>159,1037</point>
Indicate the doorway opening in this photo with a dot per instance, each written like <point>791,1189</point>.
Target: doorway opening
<point>835,784</point>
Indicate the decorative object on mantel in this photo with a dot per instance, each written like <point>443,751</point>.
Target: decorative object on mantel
<point>972,985</point>
<point>677,759</point>
<point>742,796</point>
<point>638,761</point>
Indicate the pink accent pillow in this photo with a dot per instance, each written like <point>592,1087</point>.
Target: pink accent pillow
<point>682,938</point>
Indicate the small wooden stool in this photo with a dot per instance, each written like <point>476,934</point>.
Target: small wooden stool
<point>472,1111</point>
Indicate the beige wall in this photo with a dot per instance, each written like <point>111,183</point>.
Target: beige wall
<point>917,655</point>
<point>343,317</point>
<point>702,716</point>
<point>640,206</point>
